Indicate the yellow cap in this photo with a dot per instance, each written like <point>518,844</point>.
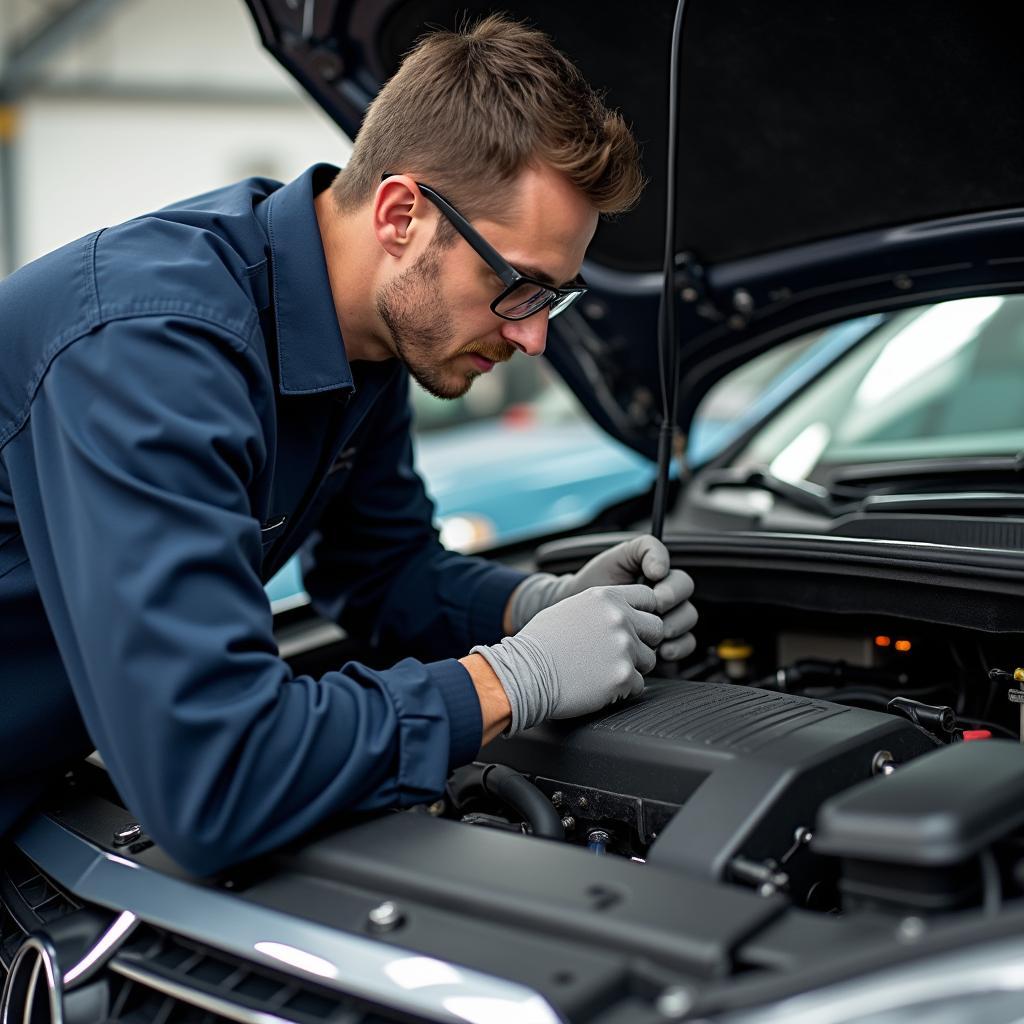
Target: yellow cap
<point>734,650</point>
<point>1018,675</point>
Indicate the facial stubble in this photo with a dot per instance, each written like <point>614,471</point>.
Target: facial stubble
<point>415,313</point>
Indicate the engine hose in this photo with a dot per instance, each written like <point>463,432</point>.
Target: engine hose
<point>511,789</point>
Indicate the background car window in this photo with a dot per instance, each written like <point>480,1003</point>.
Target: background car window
<point>940,380</point>
<point>728,404</point>
<point>745,397</point>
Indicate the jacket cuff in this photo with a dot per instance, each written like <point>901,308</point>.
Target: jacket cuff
<point>488,602</point>
<point>465,722</point>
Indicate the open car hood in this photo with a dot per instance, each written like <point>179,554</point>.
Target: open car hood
<point>834,159</point>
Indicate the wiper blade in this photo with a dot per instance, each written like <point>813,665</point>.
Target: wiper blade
<point>818,500</point>
<point>925,475</point>
<point>966,502</point>
<point>813,498</point>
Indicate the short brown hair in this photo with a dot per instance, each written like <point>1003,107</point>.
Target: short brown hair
<point>467,111</point>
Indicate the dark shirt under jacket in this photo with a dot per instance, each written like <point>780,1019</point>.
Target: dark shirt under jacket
<point>177,415</point>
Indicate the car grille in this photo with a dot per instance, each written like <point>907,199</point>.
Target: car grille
<point>161,977</point>
<point>157,977</point>
<point>28,902</point>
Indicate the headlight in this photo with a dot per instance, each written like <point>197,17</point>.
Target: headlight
<point>466,533</point>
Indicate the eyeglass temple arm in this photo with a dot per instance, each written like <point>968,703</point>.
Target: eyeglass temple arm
<point>486,251</point>
<point>506,274</point>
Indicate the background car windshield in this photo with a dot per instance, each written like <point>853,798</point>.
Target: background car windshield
<point>935,381</point>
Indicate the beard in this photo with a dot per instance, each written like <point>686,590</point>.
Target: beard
<point>415,312</point>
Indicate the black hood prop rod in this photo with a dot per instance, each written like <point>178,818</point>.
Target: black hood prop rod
<point>668,349</point>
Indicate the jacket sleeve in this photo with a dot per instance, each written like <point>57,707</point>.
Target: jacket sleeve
<point>131,483</point>
<point>376,565</point>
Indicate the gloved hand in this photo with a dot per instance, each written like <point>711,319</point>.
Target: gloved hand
<point>578,655</point>
<point>621,564</point>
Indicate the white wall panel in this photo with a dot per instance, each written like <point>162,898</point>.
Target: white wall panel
<point>87,164</point>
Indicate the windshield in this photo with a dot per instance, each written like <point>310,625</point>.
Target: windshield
<point>936,381</point>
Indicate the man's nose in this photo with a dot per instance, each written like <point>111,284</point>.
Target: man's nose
<point>529,335</point>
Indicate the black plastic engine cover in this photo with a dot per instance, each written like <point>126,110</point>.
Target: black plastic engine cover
<point>746,766</point>
<point>542,888</point>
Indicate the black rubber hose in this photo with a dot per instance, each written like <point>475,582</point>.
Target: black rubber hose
<point>511,789</point>
<point>525,798</point>
<point>465,784</point>
<point>933,717</point>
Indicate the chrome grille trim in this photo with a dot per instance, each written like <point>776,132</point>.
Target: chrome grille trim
<point>122,926</point>
<point>194,997</point>
<point>364,968</point>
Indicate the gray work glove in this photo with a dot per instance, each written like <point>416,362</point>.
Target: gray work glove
<point>642,556</point>
<point>578,655</point>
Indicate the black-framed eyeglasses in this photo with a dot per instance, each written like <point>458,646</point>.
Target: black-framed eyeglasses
<point>523,295</point>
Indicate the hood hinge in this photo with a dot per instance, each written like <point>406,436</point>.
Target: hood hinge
<point>693,290</point>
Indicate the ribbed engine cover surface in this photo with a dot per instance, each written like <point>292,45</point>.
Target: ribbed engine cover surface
<point>735,717</point>
<point>745,767</point>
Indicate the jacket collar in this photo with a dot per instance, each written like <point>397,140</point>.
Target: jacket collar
<point>310,351</point>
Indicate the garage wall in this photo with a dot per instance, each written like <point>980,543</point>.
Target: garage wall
<point>156,102</point>
<point>85,164</point>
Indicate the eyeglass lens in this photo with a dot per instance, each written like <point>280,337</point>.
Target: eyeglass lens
<point>525,300</point>
<point>530,298</point>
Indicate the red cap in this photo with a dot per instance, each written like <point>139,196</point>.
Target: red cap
<point>977,734</point>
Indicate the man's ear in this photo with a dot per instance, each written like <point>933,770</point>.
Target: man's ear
<point>399,210</point>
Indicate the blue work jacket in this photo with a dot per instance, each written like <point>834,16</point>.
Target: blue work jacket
<point>177,417</point>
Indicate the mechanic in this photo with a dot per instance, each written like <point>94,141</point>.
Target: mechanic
<point>187,398</point>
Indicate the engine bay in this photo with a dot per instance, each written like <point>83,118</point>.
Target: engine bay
<point>797,804</point>
<point>730,770</point>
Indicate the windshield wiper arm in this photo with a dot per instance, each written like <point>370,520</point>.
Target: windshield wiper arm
<point>803,495</point>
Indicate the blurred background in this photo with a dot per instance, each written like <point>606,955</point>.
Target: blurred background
<point>109,108</point>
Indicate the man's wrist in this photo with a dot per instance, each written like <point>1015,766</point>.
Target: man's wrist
<point>508,624</point>
<point>495,710</point>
